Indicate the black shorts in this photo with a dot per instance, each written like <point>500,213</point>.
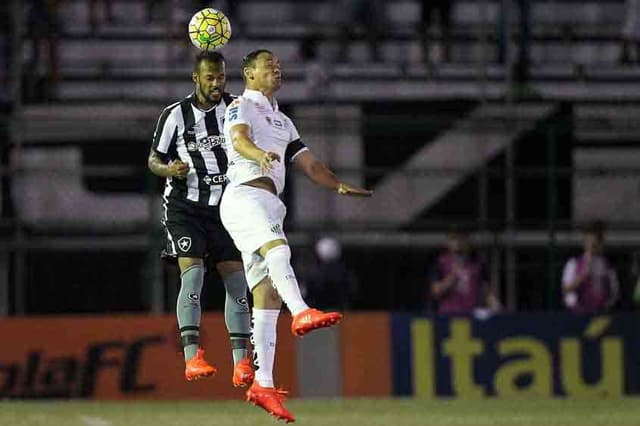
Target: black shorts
<point>196,231</point>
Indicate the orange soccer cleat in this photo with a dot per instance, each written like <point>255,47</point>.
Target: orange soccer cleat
<point>197,367</point>
<point>310,319</point>
<point>243,373</point>
<point>270,399</point>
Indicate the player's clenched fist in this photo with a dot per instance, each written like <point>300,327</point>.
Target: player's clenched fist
<point>178,169</point>
<point>353,191</point>
<point>266,160</point>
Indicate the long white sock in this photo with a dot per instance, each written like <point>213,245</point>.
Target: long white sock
<point>264,344</point>
<point>284,279</point>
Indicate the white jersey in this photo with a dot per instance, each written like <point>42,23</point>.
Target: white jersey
<point>270,129</point>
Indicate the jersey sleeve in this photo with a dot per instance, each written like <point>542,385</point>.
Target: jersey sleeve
<point>294,135</point>
<point>166,132</point>
<point>294,149</point>
<point>295,146</point>
<point>569,273</point>
<point>238,112</point>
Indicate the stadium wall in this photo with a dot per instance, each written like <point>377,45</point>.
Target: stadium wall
<point>370,354</point>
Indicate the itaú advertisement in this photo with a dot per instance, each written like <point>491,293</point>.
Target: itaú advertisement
<point>119,357</point>
<point>524,355</point>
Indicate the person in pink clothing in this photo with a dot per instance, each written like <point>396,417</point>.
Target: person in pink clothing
<point>459,281</point>
<point>589,282</point>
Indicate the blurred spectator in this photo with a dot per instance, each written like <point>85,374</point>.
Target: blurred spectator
<point>458,279</point>
<point>521,66</point>
<point>42,75</point>
<point>330,283</point>
<point>364,15</point>
<point>630,49</point>
<point>430,9</point>
<point>589,282</point>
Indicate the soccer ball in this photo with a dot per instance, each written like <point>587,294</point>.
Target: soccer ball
<point>209,29</point>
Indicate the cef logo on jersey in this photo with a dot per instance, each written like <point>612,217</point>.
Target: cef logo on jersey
<point>214,179</point>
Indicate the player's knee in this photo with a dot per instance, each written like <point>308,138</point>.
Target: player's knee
<point>228,267</point>
<point>279,254</point>
<point>235,284</point>
<point>265,296</point>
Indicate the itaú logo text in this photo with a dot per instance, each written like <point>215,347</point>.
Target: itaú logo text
<point>457,359</point>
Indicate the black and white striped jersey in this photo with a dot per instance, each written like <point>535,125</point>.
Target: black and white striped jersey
<point>195,137</point>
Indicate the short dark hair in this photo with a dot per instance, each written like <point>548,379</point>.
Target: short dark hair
<point>249,61</point>
<point>595,228</point>
<point>209,56</point>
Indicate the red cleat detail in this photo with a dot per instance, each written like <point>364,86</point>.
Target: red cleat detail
<point>243,374</point>
<point>271,400</point>
<point>197,367</point>
<point>311,319</point>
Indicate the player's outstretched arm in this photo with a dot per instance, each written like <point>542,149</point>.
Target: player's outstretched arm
<point>320,174</point>
<point>159,168</point>
<point>243,144</point>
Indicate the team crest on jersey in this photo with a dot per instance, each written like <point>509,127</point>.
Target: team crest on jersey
<point>274,122</point>
<point>184,243</point>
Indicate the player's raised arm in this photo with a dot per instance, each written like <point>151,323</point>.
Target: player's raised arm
<point>243,144</point>
<point>320,174</point>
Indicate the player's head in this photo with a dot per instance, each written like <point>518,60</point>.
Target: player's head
<point>209,76</point>
<point>594,238</point>
<point>261,71</point>
<point>458,241</point>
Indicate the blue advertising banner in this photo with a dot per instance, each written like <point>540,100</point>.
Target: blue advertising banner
<point>542,355</point>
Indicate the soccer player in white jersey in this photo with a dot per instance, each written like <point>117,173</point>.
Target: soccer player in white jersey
<point>260,140</point>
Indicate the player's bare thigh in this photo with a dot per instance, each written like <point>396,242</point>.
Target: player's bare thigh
<point>265,295</point>
<point>187,262</point>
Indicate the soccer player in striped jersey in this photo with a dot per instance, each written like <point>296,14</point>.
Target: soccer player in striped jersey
<point>188,150</point>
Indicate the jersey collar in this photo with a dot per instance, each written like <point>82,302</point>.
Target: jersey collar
<point>258,97</point>
<point>192,99</point>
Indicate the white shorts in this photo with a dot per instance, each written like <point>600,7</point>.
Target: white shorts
<point>253,217</point>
